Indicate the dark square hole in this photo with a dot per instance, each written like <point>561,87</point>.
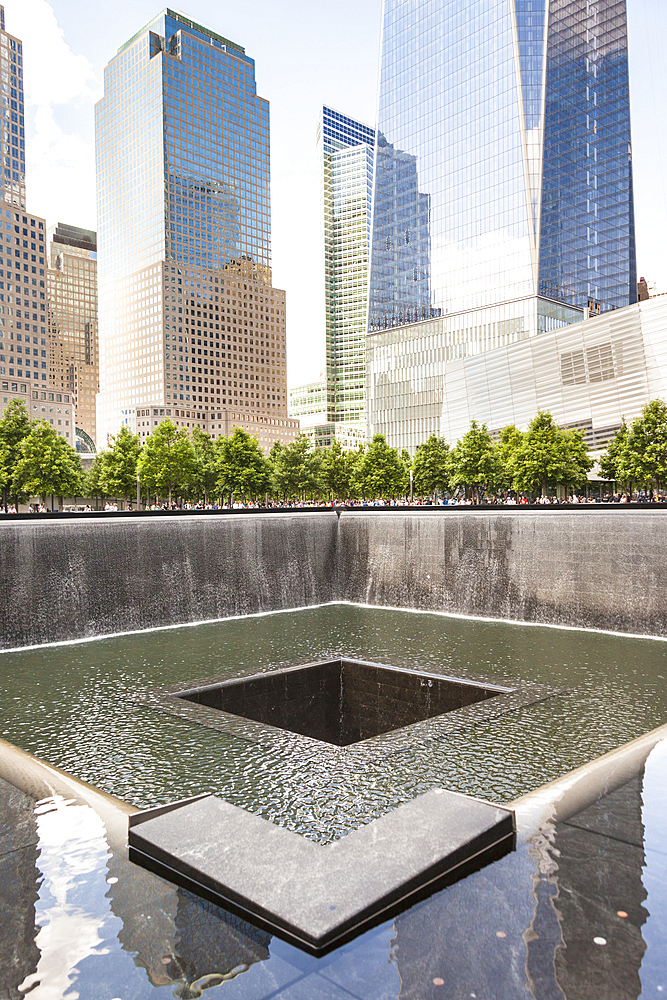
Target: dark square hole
<point>340,701</point>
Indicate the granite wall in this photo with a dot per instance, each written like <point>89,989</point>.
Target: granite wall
<point>602,569</point>
<point>71,578</point>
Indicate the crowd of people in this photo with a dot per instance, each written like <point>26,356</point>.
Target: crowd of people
<point>463,499</point>
<point>507,500</point>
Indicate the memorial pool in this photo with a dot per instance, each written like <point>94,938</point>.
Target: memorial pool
<point>71,706</point>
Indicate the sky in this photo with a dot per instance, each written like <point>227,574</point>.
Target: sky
<point>307,54</point>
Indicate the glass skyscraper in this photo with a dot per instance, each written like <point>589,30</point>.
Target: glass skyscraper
<point>345,149</point>
<point>13,122</point>
<point>72,319</point>
<point>345,153</point>
<point>503,202</point>
<point>190,326</point>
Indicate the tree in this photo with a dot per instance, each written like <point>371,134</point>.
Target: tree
<point>406,462</point>
<point>296,468</point>
<point>353,459</point>
<point>430,466</point>
<point>15,425</point>
<point>241,465</point>
<point>380,471</point>
<point>612,461</point>
<point>206,464</point>
<point>335,470</point>
<point>95,481</point>
<point>167,460</point>
<point>644,457</point>
<point>119,468</point>
<point>549,456</point>
<point>48,464</point>
<point>474,460</point>
<point>509,441</point>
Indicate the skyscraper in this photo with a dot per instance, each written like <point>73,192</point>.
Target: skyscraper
<point>345,149</point>
<point>13,124</point>
<point>190,325</point>
<point>24,366</point>
<point>345,159</point>
<point>72,318</point>
<point>503,200</point>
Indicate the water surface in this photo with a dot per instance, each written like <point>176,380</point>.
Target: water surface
<point>69,705</point>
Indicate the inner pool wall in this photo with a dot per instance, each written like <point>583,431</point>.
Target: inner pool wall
<point>77,577</point>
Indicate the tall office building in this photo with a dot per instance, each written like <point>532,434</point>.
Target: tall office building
<point>13,124</point>
<point>503,200</point>
<point>23,286</point>
<point>345,149</point>
<point>72,319</point>
<point>345,152</point>
<point>190,325</point>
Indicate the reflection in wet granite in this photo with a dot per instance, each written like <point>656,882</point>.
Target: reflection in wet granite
<point>19,881</point>
<point>526,926</point>
<point>521,929</point>
<point>600,857</point>
<point>212,946</point>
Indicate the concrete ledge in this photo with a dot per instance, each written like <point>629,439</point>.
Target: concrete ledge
<point>316,896</point>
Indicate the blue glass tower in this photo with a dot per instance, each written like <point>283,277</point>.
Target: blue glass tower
<point>503,178</point>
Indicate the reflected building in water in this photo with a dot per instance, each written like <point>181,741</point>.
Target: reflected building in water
<point>503,203</point>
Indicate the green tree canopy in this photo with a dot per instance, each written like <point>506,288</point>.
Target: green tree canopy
<point>509,441</point>
<point>15,425</point>
<point>644,457</point>
<point>241,465</point>
<point>474,460</point>
<point>95,481</point>
<point>167,460</point>
<point>380,471</point>
<point>549,456</point>
<point>612,461</point>
<point>335,470</point>
<point>206,465</point>
<point>430,466</point>
<point>119,467</point>
<point>296,468</point>
<point>48,464</point>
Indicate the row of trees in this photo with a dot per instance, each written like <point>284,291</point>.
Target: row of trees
<point>545,456</point>
<point>35,461</point>
<point>638,454</point>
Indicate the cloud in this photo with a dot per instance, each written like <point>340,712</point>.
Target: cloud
<point>60,91</point>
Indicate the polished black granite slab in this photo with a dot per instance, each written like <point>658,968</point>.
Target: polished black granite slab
<point>355,707</point>
<point>311,895</point>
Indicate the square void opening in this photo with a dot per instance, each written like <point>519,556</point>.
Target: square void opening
<point>340,701</point>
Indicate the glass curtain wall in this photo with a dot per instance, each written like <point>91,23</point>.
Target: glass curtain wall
<point>345,148</point>
<point>503,168</point>
<point>503,203</point>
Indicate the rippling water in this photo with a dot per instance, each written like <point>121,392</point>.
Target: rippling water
<point>69,705</point>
